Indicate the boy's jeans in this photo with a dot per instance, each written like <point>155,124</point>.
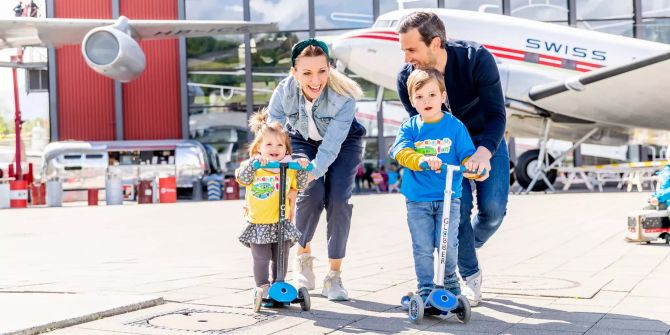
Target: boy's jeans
<point>425,220</point>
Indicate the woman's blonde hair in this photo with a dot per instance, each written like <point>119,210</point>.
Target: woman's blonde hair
<point>337,81</point>
<point>261,127</point>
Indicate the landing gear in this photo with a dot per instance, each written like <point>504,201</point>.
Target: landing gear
<point>538,168</point>
<point>526,169</point>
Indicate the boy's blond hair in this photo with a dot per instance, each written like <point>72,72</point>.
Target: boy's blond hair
<point>420,77</point>
<point>261,127</point>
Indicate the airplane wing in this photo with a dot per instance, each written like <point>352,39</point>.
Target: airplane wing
<point>57,31</point>
<point>632,94</point>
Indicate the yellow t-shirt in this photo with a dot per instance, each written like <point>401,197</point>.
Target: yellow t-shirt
<point>263,196</point>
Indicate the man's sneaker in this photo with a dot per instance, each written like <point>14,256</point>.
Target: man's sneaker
<point>473,288</point>
<point>333,288</point>
<point>303,271</point>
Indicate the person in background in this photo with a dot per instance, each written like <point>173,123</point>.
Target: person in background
<point>393,179</point>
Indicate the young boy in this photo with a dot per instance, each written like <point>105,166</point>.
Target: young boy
<point>434,137</point>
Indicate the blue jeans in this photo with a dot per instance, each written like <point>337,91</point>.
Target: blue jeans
<point>491,208</point>
<point>425,221</point>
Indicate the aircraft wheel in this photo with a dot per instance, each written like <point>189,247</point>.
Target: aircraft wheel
<point>525,167</point>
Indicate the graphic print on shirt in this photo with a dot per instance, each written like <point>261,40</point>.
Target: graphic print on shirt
<point>263,187</point>
<point>433,147</point>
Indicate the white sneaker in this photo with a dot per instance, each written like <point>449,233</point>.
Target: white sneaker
<point>333,288</point>
<point>303,271</point>
<point>473,288</point>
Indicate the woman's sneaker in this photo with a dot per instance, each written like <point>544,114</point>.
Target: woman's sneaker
<point>303,271</point>
<point>473,288</point>
<point>333,288</point>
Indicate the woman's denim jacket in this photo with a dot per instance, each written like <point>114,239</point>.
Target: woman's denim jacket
<point>333,115</point>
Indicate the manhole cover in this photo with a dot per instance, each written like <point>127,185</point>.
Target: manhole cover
<point>528,283</point>
<point>202,321</point>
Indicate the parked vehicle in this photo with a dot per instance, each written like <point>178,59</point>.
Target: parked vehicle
<point>84,165</point>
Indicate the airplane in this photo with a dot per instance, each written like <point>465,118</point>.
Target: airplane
<point>110,47</point>
<point>558,81</point>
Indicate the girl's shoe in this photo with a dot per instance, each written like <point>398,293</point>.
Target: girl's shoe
<point>260,293</point>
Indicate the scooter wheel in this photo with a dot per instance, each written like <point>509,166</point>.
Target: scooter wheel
<point>404,301</point>
<point>306,303</point>
<point>258,299</point>
<point>463,311</point>
<point>415,310</point>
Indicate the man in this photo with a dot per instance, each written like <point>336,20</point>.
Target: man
<point>18,10</point>
<point>474,96</point>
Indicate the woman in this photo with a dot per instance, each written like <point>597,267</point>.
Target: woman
<point>317,106</point>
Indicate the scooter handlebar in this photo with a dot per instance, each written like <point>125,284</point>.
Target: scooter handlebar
<point>275,165</point>
<point>426,167</point>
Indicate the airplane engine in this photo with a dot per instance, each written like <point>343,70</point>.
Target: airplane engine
<point>112,52</point>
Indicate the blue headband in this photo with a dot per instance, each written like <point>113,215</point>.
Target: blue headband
<point>300,46</point>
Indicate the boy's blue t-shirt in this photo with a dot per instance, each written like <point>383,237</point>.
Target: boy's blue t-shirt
<point>449,140</point>
<point>393,177</point>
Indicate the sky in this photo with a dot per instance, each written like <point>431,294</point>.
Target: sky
<point>32,106</point>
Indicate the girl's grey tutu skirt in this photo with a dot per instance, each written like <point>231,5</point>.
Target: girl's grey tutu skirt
<point>267,233</point>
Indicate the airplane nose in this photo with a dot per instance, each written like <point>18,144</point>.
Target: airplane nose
<point>341,50</point>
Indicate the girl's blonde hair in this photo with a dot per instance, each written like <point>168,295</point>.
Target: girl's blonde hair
<point>261,127</point>
<point>337,81</point>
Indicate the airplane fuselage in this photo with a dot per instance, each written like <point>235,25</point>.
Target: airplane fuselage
<point>528,52</point>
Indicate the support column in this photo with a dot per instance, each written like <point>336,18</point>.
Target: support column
<point>118,89</point>
<point>248,79</point>
<point>53,82</point>
<point>381,147</point>
<point>183,81</point>
<point>637,18</point>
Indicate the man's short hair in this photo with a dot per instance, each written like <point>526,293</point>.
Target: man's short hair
<point>428,24</point>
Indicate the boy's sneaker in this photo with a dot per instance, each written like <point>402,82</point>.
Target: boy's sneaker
<point>473,288</point>
<point>452,285</point>
<point>333,288</point>
<point>303,271</point>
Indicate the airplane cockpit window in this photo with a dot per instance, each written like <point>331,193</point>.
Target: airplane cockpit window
<point>394,24</point>
<point>382,24</point>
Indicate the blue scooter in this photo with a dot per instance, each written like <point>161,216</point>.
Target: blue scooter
<point>281,292</point>
<point>440,301</point>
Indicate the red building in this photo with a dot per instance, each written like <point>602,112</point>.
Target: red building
<point>87,106</point>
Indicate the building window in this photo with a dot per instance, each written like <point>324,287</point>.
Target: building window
<point>485,6</point>
<point>343,14</point>
<point>37,80</point>
<point>214,10</point>
<point>547,10</point>
<point>289,14</point>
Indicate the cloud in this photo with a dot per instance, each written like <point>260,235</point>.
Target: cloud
<point>290,14</point>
